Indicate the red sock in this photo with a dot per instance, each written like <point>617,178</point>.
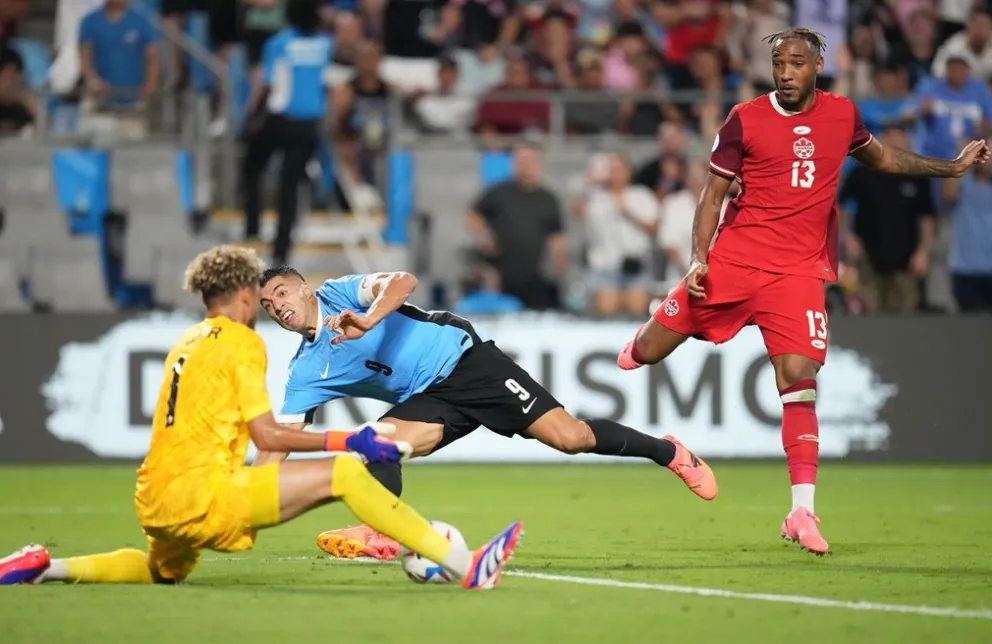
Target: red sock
<point>635,354</point>
<point>630,357</point>
<point>800,431</point>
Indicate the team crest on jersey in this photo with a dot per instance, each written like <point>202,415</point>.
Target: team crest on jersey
<point>803,148</point>
<point>670,307</point>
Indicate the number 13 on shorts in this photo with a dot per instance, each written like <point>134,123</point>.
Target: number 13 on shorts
<point>817,328</point>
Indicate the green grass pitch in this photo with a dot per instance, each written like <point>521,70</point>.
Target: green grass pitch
<point>908,536</point>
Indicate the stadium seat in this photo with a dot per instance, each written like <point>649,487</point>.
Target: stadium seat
<point>167,281</point>
<point>69,277</point>
<point>37,59</point>
<point>448,200</point>
<point>144,185</point>
<point>33,220</point>
<point>11,300</point>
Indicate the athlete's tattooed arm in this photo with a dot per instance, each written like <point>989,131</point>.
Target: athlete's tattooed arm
<point>885,158</point>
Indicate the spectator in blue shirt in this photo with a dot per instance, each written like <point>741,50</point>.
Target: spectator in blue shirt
<point>971,239</point>
<point>481,295</point>
<point>892,102</point>
<point>293,105</point>
<point>118,54</point>
<point>953,110</point>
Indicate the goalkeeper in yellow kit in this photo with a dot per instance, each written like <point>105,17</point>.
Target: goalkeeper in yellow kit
<point>194,492</point>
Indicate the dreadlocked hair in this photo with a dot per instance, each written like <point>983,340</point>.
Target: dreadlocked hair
<point>222,270</point>
<point>814,38</point>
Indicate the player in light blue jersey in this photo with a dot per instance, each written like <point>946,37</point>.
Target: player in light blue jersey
<point>362,339</point>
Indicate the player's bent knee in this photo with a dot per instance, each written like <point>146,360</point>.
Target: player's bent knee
<point>572,437</point>
<point>791,369</point>
<point>423,437</point>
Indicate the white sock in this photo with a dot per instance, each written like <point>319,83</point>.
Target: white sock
<point>458,561</point>
<point>802,496</point>
<point>57,571</point>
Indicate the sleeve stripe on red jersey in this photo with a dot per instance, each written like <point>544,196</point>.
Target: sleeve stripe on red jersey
<point>858,147</point>
<point>723,172</point>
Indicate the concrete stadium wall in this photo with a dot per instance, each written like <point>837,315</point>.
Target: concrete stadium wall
<point>78,388</point>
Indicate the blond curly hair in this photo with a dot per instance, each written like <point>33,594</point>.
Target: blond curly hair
<point>222,270</point>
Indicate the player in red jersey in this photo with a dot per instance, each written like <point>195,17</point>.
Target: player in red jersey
<point>777,244</point>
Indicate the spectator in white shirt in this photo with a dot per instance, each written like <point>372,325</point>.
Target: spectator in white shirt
<point>621,221</point>
<point>676,213</point>
<point>446,110</point>
<point>973,44</point>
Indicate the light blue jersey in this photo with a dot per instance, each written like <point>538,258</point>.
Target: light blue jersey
<point>971,240</point>
<point>955,115</point>
<point>293,66</point>
<point>410,350</point>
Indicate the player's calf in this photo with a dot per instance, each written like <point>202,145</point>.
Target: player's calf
<point>34,565</point>
<point>652,344</point>
<point>795,376</point>
<point>564,432</point>
<point>561,431</point>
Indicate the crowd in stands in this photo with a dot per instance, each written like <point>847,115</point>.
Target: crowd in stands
<point>918,69</point>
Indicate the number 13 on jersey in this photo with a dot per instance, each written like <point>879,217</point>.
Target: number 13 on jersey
<point>802,174</point>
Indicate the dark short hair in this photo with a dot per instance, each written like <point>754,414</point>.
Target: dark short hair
<point>283,270</point>
<point>628,28</point>
<point>814,38</point>
<point>303,15</point>
<point>556,14</point>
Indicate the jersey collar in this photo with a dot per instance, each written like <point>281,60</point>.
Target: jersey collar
<point>773,97</point>
<point>320,325</point>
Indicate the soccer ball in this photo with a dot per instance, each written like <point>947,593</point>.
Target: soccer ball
<point>425,571</point>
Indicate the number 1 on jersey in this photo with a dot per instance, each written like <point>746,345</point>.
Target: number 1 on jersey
<point>177,370</point>
<point>807,168</point>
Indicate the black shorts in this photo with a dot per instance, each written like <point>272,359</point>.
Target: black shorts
<point>486,389</point>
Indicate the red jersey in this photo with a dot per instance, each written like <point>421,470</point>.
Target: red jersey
<point>785,218</point>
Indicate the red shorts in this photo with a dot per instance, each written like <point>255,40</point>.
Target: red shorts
<point>788,309</point>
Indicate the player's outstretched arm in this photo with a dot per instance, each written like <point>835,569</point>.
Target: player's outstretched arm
<point>269,436</point>
<point>264,458</point>
<point>885,158</point>
<point>704,225</point>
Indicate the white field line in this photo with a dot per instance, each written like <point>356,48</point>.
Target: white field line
<point>873,607</point>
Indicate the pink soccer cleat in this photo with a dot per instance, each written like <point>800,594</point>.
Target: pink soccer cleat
<point>626,358</point>
<point>489,561</point>
<point>358,541</point>
<point>803,526</point>
<point>24,566</point>
<point>693,470</point>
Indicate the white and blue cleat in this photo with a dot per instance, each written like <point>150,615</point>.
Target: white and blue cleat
<point>489,561</point>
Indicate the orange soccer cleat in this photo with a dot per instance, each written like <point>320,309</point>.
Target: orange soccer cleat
<point>803,526</point>
<point>358,541</point>
<point>693,470</point>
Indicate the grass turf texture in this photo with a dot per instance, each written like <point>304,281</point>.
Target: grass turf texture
<point>901,535</point>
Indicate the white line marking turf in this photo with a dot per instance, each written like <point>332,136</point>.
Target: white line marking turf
<point>819,602</point>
